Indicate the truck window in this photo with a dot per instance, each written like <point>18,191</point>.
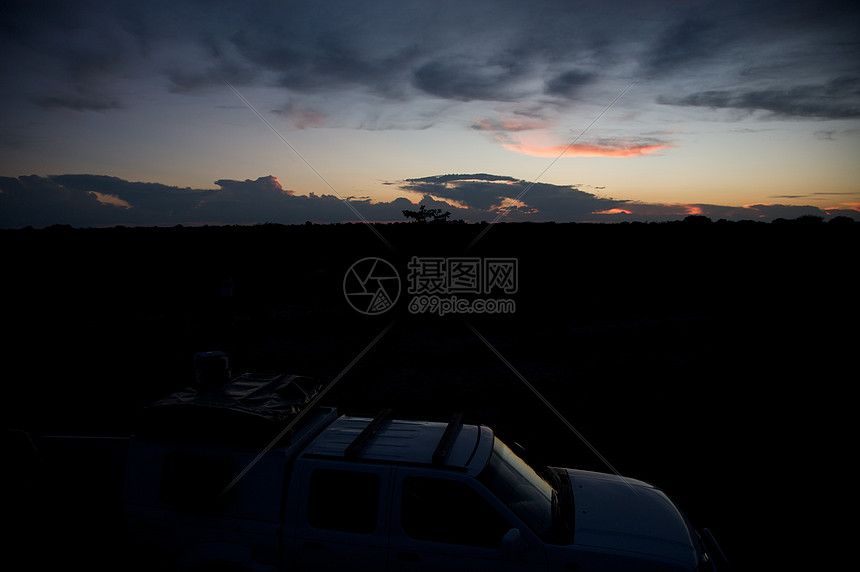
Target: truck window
<point>343,501</point>
<point>519,488</point>
<point>452,512</point>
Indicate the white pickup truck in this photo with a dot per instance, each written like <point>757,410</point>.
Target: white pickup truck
<point>214,481</point>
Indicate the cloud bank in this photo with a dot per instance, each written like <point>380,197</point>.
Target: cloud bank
<point>98,200</point>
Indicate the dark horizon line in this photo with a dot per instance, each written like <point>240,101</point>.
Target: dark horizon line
<point>691,220</point>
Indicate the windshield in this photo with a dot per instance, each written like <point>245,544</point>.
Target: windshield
<point>520,488</point>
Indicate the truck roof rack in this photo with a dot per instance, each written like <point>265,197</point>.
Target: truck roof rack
<point>353,449</point>
<point>447,439</point>
<point>450,445</point>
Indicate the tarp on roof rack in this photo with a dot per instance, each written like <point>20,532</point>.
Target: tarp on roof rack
<point>251,406</point>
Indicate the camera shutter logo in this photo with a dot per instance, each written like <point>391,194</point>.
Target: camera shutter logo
<point>371,286</point>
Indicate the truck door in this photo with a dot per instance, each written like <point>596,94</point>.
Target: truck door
<point>450,522</point>
<point>340,523</point>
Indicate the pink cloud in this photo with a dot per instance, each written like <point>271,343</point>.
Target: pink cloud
<point>612,149</point>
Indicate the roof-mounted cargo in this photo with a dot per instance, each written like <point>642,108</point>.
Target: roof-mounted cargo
<point>249,408</point>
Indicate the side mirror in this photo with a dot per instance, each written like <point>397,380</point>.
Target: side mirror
<point>513,544</point>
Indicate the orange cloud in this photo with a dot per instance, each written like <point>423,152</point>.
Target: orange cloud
<point>589,149</point>
<point>614,211</point>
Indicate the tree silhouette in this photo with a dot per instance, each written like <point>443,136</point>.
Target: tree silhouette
<point>697,219</point>
<point>841,220</point>
<point>423,214</point>
<point>809,219</point>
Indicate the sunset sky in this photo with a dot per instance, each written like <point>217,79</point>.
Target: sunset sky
<point>182,112</point>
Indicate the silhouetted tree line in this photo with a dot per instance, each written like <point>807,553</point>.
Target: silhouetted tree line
<point>801,220</point>
<point>424,215</point>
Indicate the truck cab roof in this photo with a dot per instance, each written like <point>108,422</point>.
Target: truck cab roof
<point>452,445</point>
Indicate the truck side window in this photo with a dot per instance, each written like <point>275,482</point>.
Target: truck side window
<point>343,501</point>
<point>439,510</point>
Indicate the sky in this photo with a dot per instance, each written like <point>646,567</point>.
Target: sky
<point>184,112</point>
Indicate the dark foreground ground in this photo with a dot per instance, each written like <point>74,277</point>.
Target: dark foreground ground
<point>714,360</point>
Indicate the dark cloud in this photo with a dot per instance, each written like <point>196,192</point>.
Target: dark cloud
<point>77,55</point>
<point>567,203</point>
<point>492,192</point>
<point>481,192</point>
<point>152,201</point>
<point>80,101</point>
<point>321,64</point>
<point>771,212</point>
<point>37,201</point>
<point>488,195</point>
<point>66,55</point>
<point>510,125</point>
<point>184,80</point>
<point>569,83</point>
<point>95,200</point>
<point>836,99</point>
<point>681,44</point>
<point>442,179</point>
<point>470,80</point>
